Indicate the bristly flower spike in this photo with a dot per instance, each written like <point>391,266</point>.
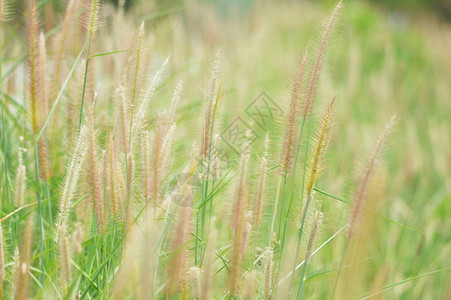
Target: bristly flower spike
<point>317,155</point>
<point>293,117</point>
<point>361,194</point>
<point>312,85</point>
<point>261,185</point>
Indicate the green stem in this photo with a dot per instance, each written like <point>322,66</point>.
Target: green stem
<point>292,195</point>
<point>301,283</point>
<point>84,82</point>
<point>276,203</point>
<point>306,259</point>
<point>299,236</point>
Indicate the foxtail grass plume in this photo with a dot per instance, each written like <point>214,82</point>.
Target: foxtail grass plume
<point>239,219</point>
<point>43,156</point>
<point>211,97</point>
<point>150,92</point>
<point>123,120</point>
<point>317,220</point>
<point>146,167</point>
<point>34,73</point>
<point>195,276</point>
<point>21,179</point>
<point>42,143</point>
<point>174,104</point>
<point>91,18</point>
<point>130,176</point>
<point>72,176</point>
<point>115,178</point>
<point>42,75</point>
<point>64,258</point>
<point>361,194</point>
<point>162,143</point>
<point>317,155</point>
<point>94,179</point>
<point>136,77</point>
<point>261,185</point>
<point>178,274</point>
<point>157,154</point>
<point>293,118</point>
<point>268,271</point>
<point>22,276</point>
<point>312,85</point>
<point>36,85</point>
<point>215,164</point>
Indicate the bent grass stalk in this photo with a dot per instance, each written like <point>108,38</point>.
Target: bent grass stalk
<point>361,193</point>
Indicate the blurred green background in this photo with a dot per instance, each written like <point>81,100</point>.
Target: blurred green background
<point>441,7</point>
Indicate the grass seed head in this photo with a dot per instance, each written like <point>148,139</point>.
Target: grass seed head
<point>293,117</point>
<point>312,85</point>
<point>362,190</point>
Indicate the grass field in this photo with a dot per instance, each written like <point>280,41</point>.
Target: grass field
<point>213,150</point>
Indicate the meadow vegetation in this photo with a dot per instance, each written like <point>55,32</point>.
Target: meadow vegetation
<point>275,151</point>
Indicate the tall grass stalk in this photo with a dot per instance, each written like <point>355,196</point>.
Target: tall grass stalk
<point>211,109</point>
<point>135,89</point>
<point>91,23</point>
<point>312,85</point>
<point>239,219</point>
<point>288,165</point>
<point>314,167</point>
<point>362,191</point>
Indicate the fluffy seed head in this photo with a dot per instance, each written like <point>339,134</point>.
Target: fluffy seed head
<point>174,103</point>
<point>91,18</point>
<point>94,174</point>
<point>64,258</point>
<point>261,186</point>
<point>317,155</point>
<point>268,271</point>
<point>312,86</point>
<point>211,105</point>
<point>291,131</point>
<point>317,220</point>
<point>361,194</point>
<point>73,171</point>
<point>240,216</point>
<point>178,266</point>
<point>21,178</point>
<point>33,65</point>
